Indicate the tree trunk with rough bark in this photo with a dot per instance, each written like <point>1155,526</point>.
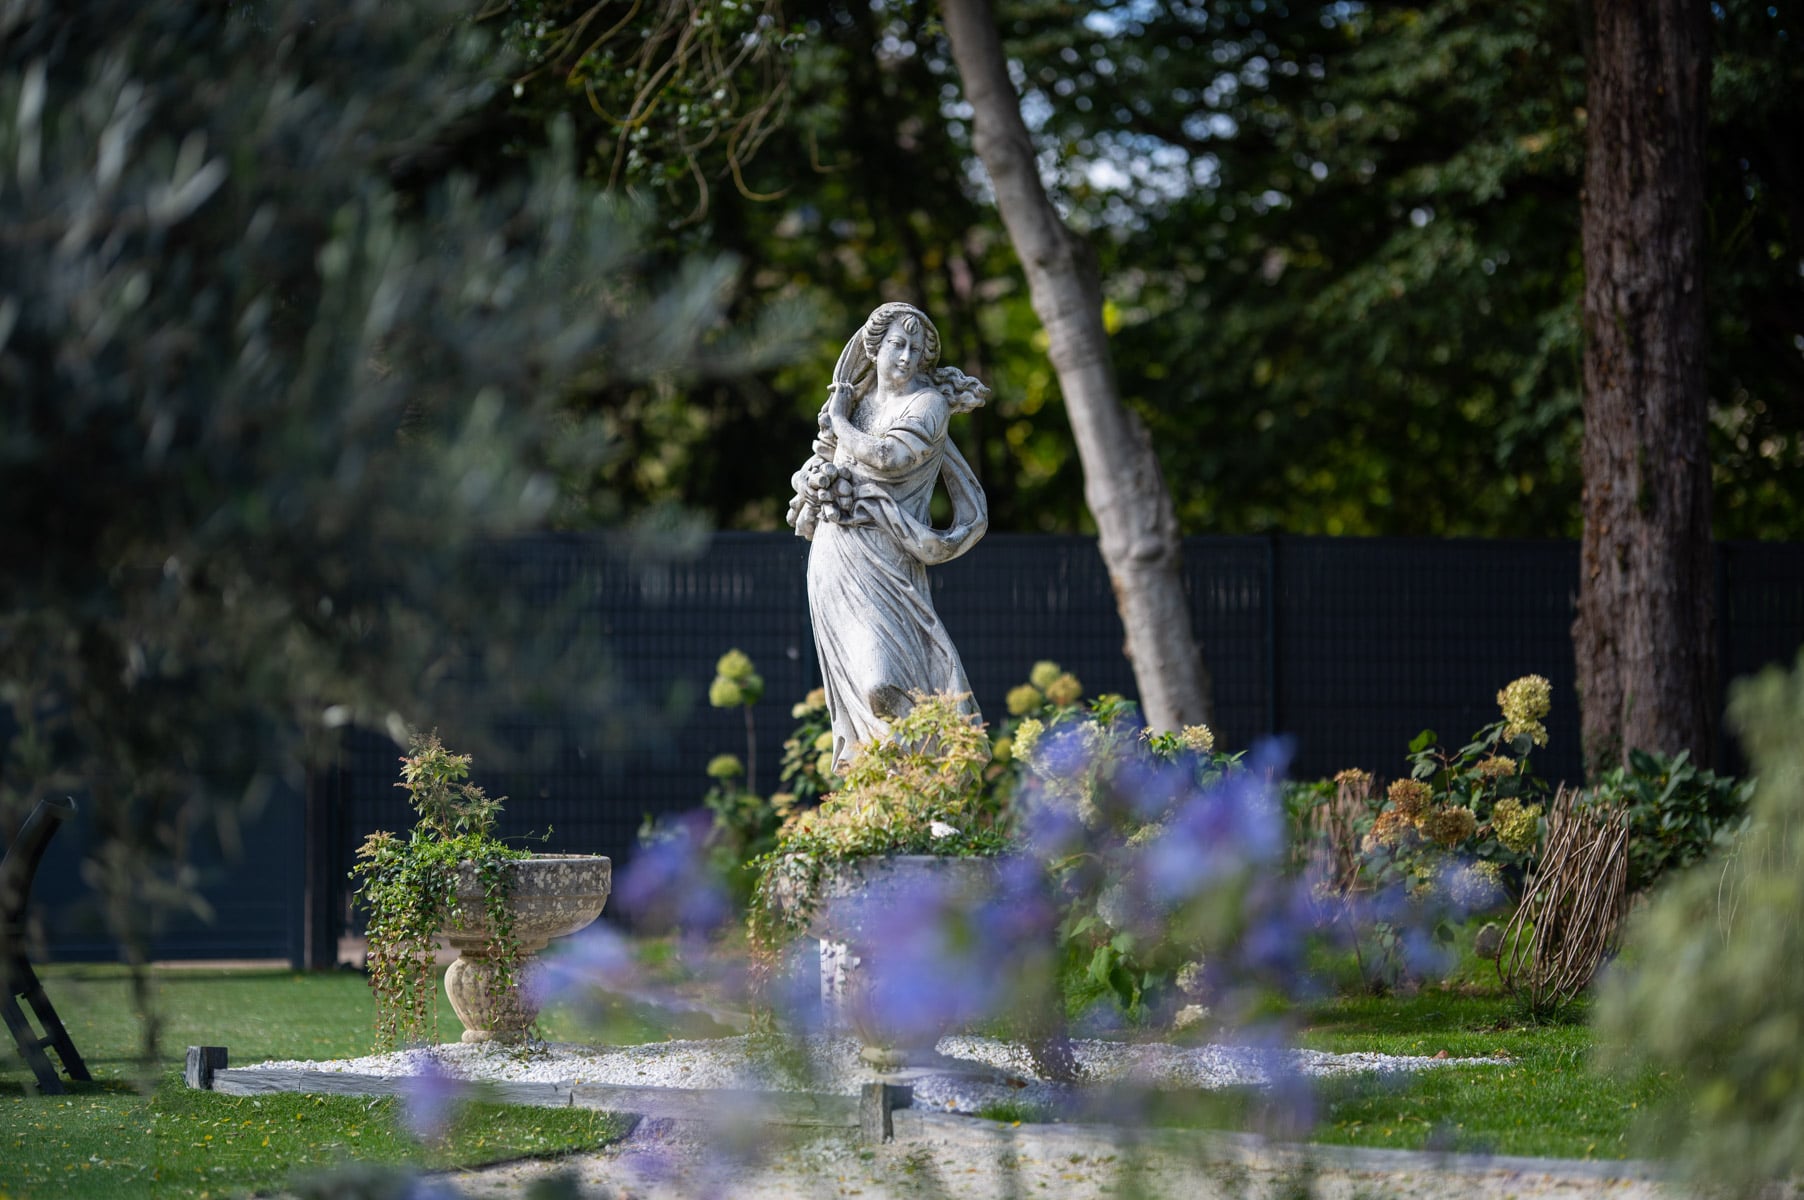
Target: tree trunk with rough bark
<point>1645,635</point>
<point>1123,486</point>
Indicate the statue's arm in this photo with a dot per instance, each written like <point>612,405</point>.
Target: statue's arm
<point>893,452</point>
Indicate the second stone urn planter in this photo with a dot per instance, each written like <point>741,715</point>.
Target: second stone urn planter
<point>550,896</point>
<point>877,980</point>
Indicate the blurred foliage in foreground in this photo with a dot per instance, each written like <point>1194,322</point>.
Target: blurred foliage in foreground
<point>1716,994</point>
<point>271,375</point>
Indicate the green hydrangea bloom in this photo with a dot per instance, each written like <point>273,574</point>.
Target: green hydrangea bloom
<point>1026,738</point>
<point>1524,702</point>
<point>1197,737</point>
<point>1449,825</point>
<point>734,664</point>
<point>1024,699</point>
<point>1497,766</point>
<point>1410,797</point>
<point>1526,699</point>
<point>1064,690</point>
<point>1517,826</point>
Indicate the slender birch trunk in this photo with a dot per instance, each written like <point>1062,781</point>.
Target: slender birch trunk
<point>1123,485</point>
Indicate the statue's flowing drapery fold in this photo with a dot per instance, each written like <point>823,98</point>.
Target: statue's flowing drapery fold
<point>875,627</point>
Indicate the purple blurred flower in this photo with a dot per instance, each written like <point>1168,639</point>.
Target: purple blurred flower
<point>668,884</point>
<point>596,957</point>
<point>422,1187</point>
<point>1282,916</point>
<point>935,951</point>
<point>795,989</point>
<point>1217,834</point>
<point>1289,1109</point>
<point>428,1099</point>
<point>1150,787</point>
<point>918,964</point>
<point>1051,830</point>
<point>1388,905</point>
<point>1467,886</point>
<point>1022,905</point>
<point>1423,955</point>
<point>1067,751</point>
<point>652,1163</point>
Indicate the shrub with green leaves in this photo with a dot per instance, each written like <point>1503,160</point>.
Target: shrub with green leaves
<point>1479,805</point>
<point>806,774</point>
<point>918,791</point>
<point>743,825</point>
<point>1715,993</point>
<point>1677,810</point>
<point>409,888</point>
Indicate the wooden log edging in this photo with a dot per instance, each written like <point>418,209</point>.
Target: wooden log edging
<point>821,1109</point>
<point>817,1109</point>
<point>262,1081</point>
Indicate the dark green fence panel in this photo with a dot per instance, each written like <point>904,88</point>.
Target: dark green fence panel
<point>1349,646</point>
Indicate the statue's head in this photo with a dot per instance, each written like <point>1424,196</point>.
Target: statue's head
<point>914,322</point>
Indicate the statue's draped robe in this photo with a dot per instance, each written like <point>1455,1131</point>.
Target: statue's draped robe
<point>878,636</point>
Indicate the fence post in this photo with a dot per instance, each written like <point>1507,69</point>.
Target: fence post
<point>1271,635</point>
<point>321,890</point>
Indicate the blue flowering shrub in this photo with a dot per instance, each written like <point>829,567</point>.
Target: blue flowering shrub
<point>1169,863</point>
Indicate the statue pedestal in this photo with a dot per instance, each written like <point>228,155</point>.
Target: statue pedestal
<point>863,991</point>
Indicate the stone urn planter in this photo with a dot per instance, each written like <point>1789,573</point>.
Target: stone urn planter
<point>551,895</point>
<point>877,981</point>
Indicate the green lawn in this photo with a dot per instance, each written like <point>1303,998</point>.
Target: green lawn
<point>1534,1093</point>
<point>138,1131</point>
<point>1542,1099</point>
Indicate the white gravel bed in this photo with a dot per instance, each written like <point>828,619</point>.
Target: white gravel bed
<point>980,1071</point>
<point>1165,1066</point>
<point>1153,1066</point>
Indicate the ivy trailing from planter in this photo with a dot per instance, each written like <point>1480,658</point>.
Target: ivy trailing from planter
<point>409,889</point>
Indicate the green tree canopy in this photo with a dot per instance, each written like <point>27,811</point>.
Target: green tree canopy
<point>1340,244</point>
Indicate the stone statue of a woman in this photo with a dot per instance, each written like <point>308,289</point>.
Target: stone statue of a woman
<point>862,499</point>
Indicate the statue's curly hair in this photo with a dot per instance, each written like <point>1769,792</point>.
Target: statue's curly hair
<point>963,392</point>
<point>876,326</point>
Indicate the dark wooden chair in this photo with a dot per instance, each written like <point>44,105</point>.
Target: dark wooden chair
<point>17,870</point>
